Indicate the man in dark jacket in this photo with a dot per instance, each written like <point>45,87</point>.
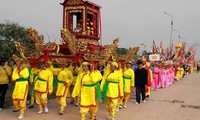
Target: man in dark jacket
<point>141,77</point>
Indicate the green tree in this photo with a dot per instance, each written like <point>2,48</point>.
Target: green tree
<point>121,50</point>
<point>10,32</point>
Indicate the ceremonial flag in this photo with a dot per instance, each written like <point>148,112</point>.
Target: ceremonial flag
<point>154,50</point>
<point>161,48</point>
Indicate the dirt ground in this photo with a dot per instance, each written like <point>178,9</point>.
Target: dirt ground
<point>180,101</point>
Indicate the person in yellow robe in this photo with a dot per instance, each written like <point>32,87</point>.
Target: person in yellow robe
<point>43,87</point>
<point>74,68</point>
<point>120,72</point>
<point>33,75</point>
<point>112,86</point>
<point>5,72</point>
<point>179,73</point>
<point>129,82</point>
<point>87,85</point>
<point>20,76</point>
<point>64,80</point>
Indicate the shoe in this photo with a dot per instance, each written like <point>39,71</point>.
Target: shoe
<point>117,109</point>
<point>147,96</point>
<point>76,104</point>
<point>31,106</point>
<point>61,112</point>
<point>109,118</point>
<point>125,106</point>
<point>46,110</point>
<point>1,109</point>
<point>112,118</point>
<point>21,117</point>
<point>93,118</point>
<point>15,110</point>
<point>136,103</point>
<point>40,112</point>
<point>143,101</point>
<point>120,106</point>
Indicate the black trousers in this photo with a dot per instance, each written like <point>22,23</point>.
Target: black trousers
<point>3,89</point>
<point>140,90</point>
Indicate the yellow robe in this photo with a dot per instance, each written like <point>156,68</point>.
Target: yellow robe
<point>21,83</point>
<point>44,81</point>
<point>82,87</point>
<point>34,72</point>
<point>65,77</point>
<point>75,73</point>
<point>107,70</point>
<point>115,87</point>
<point>179,73</point>
<point>5,72</point>
<point>128,80</point>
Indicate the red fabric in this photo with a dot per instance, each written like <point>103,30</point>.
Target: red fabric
<point>122,62</point>
<point>46,55</point>
<point>78,57</point>
<point>95,65</point>
<point>32,62</point>
<point>92,49</point>
<point>149,76</point>
<point>100,47</point>
<point>146,89</point>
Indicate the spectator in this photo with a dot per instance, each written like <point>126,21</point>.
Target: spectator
<point>141,77</point>
<point>5,72</point>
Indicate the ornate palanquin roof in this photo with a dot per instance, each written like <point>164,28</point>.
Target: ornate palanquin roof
<point>79,2</point>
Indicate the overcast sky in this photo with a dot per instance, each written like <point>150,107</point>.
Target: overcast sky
<point>133,21</point>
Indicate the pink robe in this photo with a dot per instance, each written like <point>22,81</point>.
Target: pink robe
<point>162,78</point>
<point>171,76</point>
<point>167,77</point>
<point>156,78</point>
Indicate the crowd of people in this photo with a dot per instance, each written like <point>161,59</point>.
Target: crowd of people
<point>86,84</point>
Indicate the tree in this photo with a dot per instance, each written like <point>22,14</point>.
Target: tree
<point>10,32</point>
<point>121,50</point>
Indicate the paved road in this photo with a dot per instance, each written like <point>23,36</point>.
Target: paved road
<point>181,101</point>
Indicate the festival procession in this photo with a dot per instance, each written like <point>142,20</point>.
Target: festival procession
<point>82,72</point>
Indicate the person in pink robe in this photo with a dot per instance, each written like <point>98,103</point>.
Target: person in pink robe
<point>163,77</point>
<point>167,77</point>
<point>171,76</point>
<point>156,77</point>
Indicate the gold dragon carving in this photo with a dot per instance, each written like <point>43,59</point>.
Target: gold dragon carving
<point>110,50</point>
<point>17,60</point>
<point>74,44</point>
<point>103,54</point>
<point>36,38</point>
<point>21,49</point>
<point>39,42</point>
<point>69,39</point>
<point>129,55</point>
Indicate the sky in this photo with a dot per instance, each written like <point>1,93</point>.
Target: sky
<point>134,22</point>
